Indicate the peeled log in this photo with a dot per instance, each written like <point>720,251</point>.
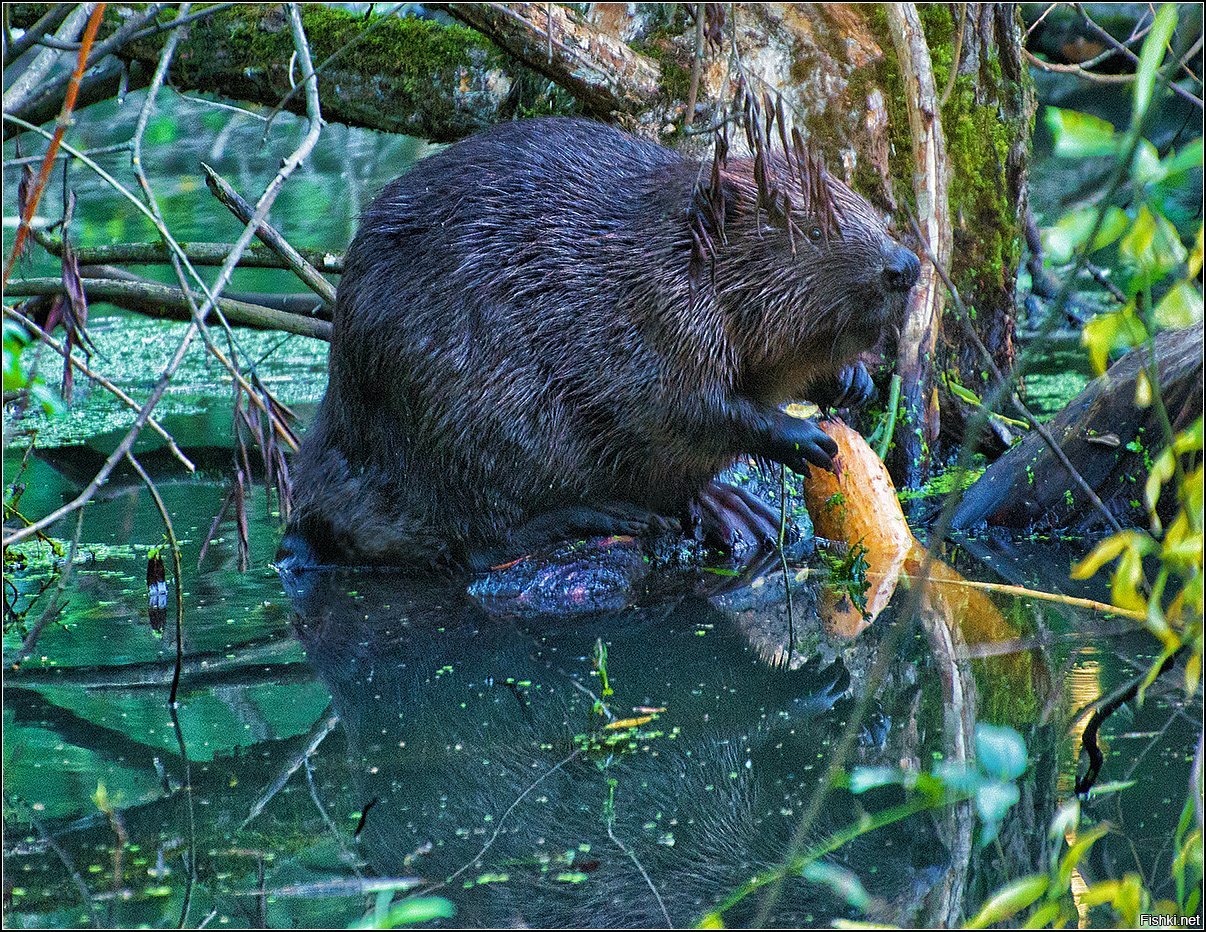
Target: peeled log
<point>857,505</point>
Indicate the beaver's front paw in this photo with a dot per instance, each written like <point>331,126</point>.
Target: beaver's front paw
<point>850,388</point>
<point>799,443</point>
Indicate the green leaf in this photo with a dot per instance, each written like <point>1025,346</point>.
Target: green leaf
<point>1185,158</point>
<point>1045,915</point>
<point>410,911</point>
<point>841,881</point>
<point>1010,900</point>
<point>1000,751</point>
<point>1078,135</point>
<point>1079,848</point>
<point>1114,786</point>
<point>1147,167</point>
<point>1180,308</point>
<point>1072,231</point>
<point>1152,248</point>
<point>1150,58</point>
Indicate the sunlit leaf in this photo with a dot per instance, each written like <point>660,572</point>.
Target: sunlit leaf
<point>1066,817</point>
<point>1181,307</point>
<point>1143,390</point>
<point>1114,786</point>
<point>1105,333</point>
<point>1125,896</point>
<point>1072,231</point>
<point>1127,581</point>
<point>1078,135</point>
<point>1160,473</point>
<point>1151,248</point>
<point>1147,168</point>
<point>1104,552</point>
<point>1150,58</point>
<point>1010,900</point>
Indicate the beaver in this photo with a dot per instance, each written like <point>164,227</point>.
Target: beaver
<point>526,348</point>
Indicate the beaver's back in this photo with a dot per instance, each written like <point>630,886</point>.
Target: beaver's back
<point>495,348</point>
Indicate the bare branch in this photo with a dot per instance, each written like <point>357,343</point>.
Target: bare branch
<point>225,192</point>
<point>163,301</point>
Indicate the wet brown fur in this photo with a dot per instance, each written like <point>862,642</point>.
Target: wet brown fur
<point>555,313</point>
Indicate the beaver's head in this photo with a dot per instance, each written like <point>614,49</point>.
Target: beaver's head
<point>804,260</point>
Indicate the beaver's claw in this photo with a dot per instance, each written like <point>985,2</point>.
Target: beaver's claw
<point>850,388</point>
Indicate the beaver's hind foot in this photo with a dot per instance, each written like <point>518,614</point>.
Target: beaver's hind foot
<point>572,522</point>
<point>734,519</point>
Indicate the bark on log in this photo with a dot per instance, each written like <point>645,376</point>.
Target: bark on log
<point>1105,436</point>
<point>917,429</point>
<point>410,75</point>
<point>599,69</point>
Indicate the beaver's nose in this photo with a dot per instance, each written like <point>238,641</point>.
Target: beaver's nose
<point>901,269</point>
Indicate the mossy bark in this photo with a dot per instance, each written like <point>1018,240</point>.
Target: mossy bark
<point>401,75</point>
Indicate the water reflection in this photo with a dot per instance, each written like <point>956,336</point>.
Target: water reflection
<point>479,756</point>
<point>462,724</point>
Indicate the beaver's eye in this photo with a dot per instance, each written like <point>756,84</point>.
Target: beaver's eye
<point>815,233</point>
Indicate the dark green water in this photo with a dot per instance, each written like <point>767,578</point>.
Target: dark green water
<point>348,731</point>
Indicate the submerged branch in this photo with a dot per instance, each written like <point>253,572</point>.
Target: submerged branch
<point>169,303</point>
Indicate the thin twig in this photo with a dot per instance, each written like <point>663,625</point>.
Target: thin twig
<point>164,301</point>
<point>176,574</point>
<point>696,65</point>
<point>261,211</point>
<point>64,121</point>
<point>202,254</point>
<point>1035,425</point>
<point>1110,40</point>
<point>175,247</point>
<point>51,20</point>
<point>269,236</point>
<point>498,825</point>
<point>317,735</point>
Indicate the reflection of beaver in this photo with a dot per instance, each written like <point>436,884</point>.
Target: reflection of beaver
<point>525,350</point>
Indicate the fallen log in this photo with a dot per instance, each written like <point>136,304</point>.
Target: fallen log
<point>1105,436</point>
